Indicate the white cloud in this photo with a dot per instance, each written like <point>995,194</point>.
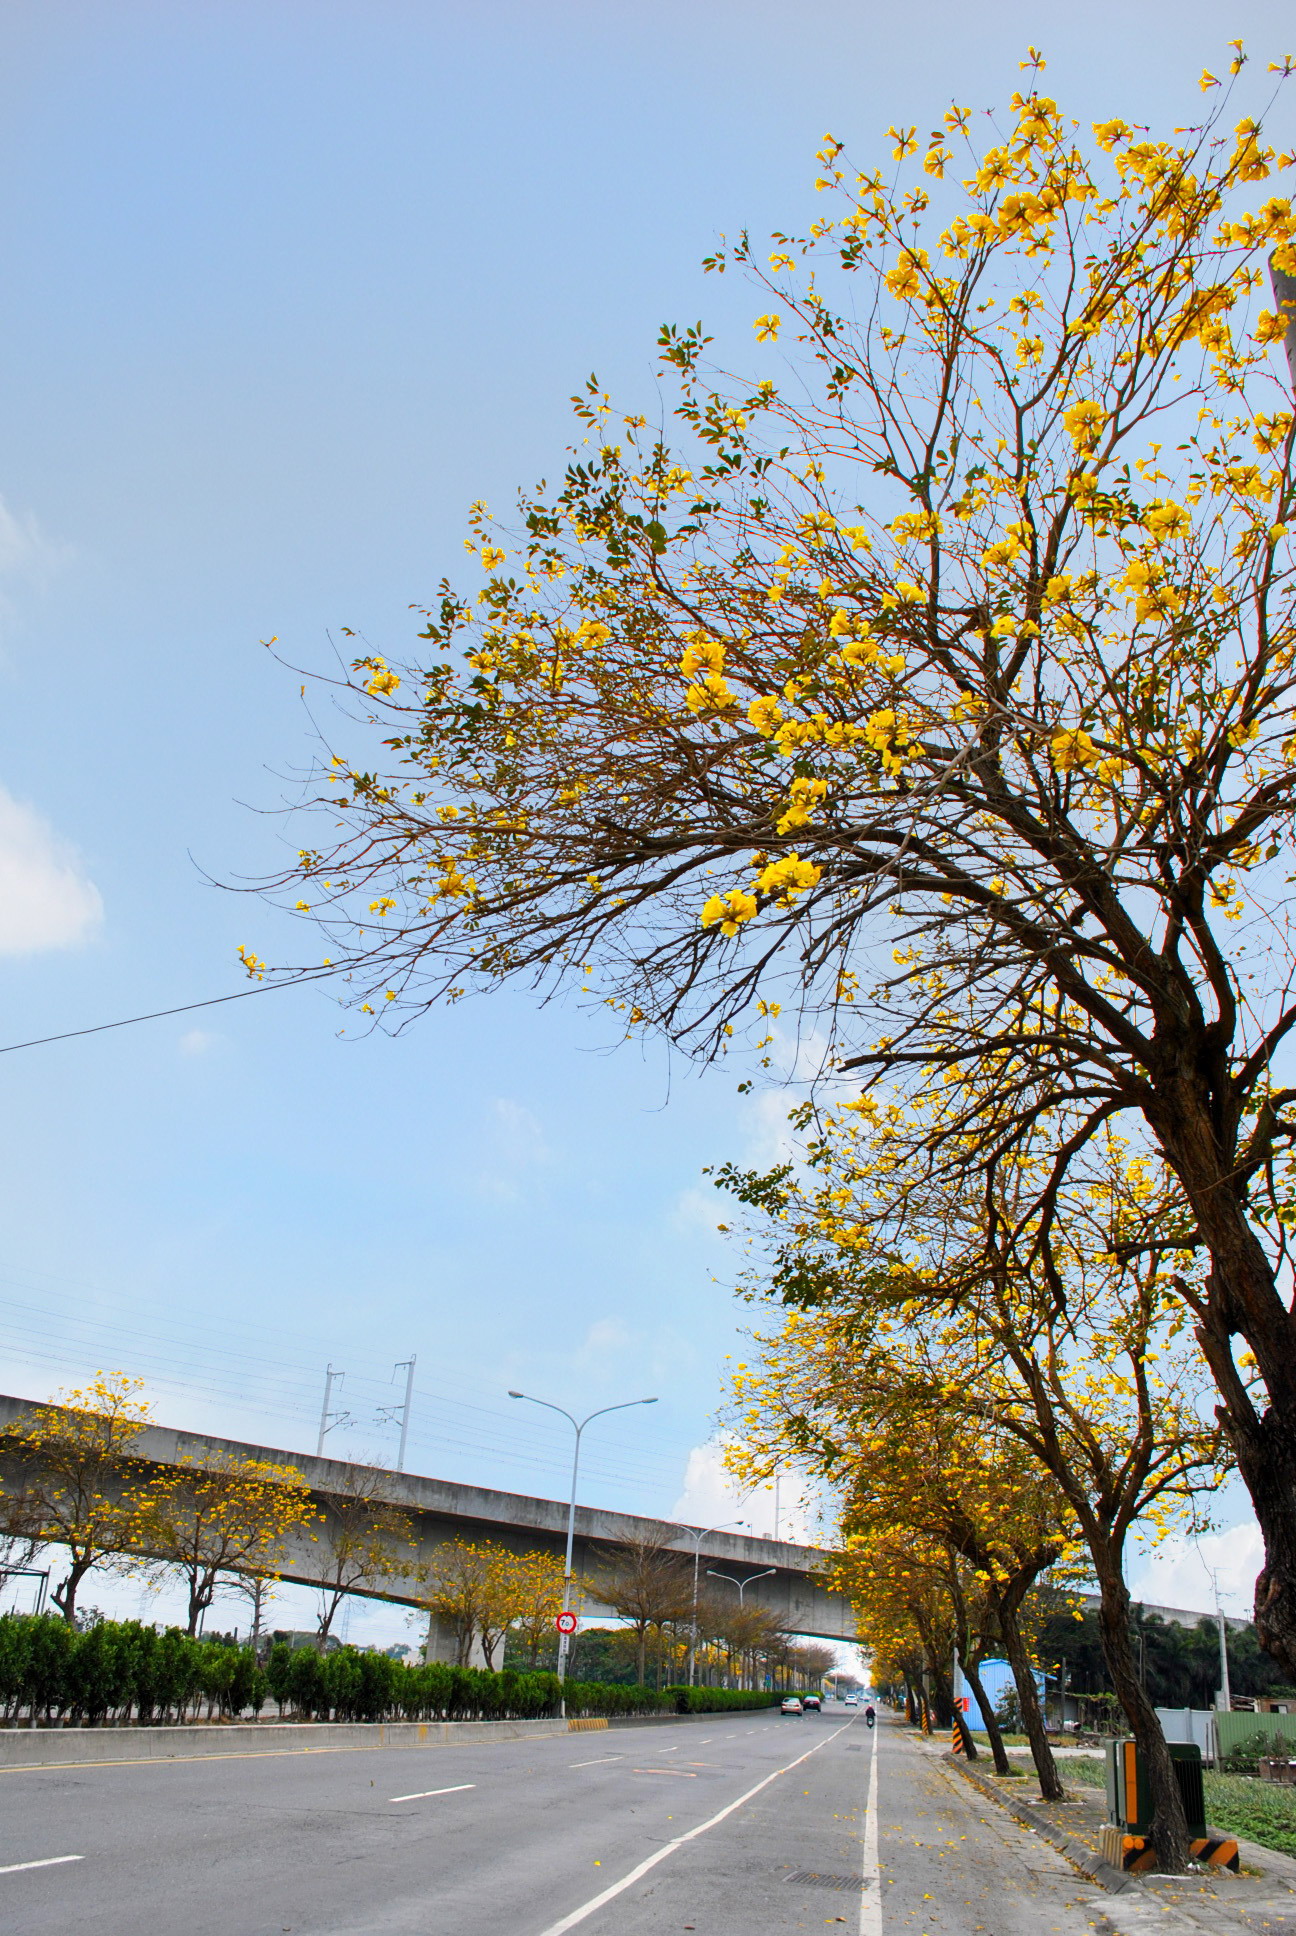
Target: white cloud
<point>519,1146</point>
<point>699,1212</point>
<point>196,1041</point>
<point>1178,1574</point>
<point>606,1335</point>
<point>520,1132</point>
<point>25,551</point>
<point>710,1495</point>
<point>27,555</point>
<point>46,900</point>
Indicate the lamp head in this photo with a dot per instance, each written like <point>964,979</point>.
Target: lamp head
<point>517,1394</point>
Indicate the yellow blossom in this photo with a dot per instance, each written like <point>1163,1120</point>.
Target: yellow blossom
<point>788,878</point>
<point>384,681</point>
<point>703,655</point>
<point>1072,748</point>
<point>729,910</point>
<point>1084,422</point>
<point>765,715</point>
<point>803,796</point>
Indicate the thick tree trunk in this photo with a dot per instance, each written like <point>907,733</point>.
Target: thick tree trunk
<point>1242,1300</point>
<point>947,1715</point>
<point>1264,1444</point>
<point>942,1703</point>
<point>952,1715</point>
<point>972,1675</point>
<point>1051,1788</point>
<point>1169,1828</point>
<point>200,1598</point>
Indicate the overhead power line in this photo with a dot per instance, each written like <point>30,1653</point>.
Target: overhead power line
<point>159,1014</point>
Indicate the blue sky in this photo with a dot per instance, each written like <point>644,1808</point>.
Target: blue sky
<point>287,287</point>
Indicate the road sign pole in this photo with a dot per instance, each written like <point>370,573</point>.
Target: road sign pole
<point>564,1637</point>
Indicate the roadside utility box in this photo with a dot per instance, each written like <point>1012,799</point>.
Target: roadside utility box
<point>1125,1837</point>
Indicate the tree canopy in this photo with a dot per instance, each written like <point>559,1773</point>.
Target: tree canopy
<point>938,680</point>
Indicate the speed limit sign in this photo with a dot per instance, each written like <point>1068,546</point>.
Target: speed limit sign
<point>566,1623</point>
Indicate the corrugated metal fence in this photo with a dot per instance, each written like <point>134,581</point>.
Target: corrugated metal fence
<point>1234,1729</point>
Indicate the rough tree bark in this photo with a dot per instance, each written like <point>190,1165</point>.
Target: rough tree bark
<point>1006,1611</point>
<point>972,1675</point>
<point>1169,1827</point>
<point>1196,1111</point>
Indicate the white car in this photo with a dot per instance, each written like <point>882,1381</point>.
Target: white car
<point>792,1706</point>
<point>852,1700</point>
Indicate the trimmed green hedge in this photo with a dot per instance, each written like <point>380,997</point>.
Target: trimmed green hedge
<point>122,1671</point>
<point>718,1700</point>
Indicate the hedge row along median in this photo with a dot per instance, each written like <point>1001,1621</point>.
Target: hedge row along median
<point>122,1672</point>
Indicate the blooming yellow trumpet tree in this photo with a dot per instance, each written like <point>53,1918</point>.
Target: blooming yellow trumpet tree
<point>539,1601</point>
<point>481,1589</point>
<point>223,1515</point>
<point>72,1481</point>
<point>938,680</point>
<point>920,1609</point>
<point>913,1321</point>
<point>364,1541</point>
<point>903,1459</point>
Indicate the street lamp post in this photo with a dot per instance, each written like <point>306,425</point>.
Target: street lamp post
<point>578,1427</point>
<point>742,1585</point>
<point>697,1535</point>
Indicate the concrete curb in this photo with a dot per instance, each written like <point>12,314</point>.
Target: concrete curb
<point>87,1747</point>
<point>80,1747</point>
<point>1078,1854</point>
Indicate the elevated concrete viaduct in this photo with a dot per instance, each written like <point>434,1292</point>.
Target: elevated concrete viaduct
<point>441,1510</point>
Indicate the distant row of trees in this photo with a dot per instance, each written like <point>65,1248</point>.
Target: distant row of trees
<point>736,1648</point>
<point>1179,1666</point>
<point>223,1523</point>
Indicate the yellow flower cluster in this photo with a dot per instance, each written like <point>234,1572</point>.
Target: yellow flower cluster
<point>803,796</point>
<point>383,681</point>
<point>1084,424</point>
<point>703,662</point>
<point>888,735</point>
<point>766,715</point>
<point>729,910</point>
<point>781,881</point>
<point>452,886</point>
<point>1072,750</point>
<point>787,878</point>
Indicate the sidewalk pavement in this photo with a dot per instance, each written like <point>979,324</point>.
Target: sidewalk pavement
<point>1260,1901</point>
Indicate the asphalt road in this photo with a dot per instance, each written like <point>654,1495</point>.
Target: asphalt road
<point>734,1828</point>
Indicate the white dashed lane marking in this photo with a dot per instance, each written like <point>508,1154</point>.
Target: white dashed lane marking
<point>426,1794</point>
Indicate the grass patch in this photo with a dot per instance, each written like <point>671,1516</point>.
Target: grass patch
<point>1262,1811</point>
